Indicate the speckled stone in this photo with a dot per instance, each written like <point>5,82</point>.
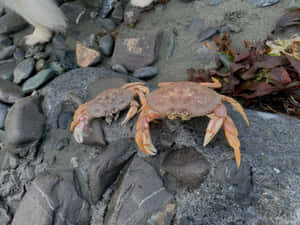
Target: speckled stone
<point>38,80</point>
<point>23,70</point>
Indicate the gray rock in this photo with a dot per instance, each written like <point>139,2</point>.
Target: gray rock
<point>140,196</point>
<point>67,59</point>
<point>33,50</point>
<point>19,54</point>
<point>3,112</point>
<point>64,120</point>
<point>7,68</point>
<point>147,72</point>
<point>106,44</point>
<point>24,124</point>
<point>107,6</point>
<point>71,10</point>
<point>106,167</point>
<point>187,165</point>
<point>38,80</point>
<point>52,199</point>
<point>61,144</point>
<point>7,52</point>
<point>119,68</point>
<point>263,3</point>
<point>132,15</point>
<point>9,92</point>
<point>23,70</point>
<point>118,12</point>
<point>57,67</point>
<point>11,23</point>
<point>214,2</point>
<point>5,41</point>
<point>107,24</point>
<point>40,65</point>
<point>2,135</point>
<point>4,215</point>
<point>207,33</point>
<point>137,52</point>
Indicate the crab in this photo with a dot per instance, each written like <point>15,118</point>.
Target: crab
<point>186,100</point>
<point>107,103</point>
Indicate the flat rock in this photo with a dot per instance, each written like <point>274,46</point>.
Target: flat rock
<point>24,123</point>
<point>140,196</point>
<point>106,44</point>
<point>132,15</point>
<point>9,92</point>
<point>7,52</point>
<point>11,23</point>
<point>5,40</point>
<point>52,198</point>
<point>187,165</point>
<point>147,72</point>
<point>86,56</point>
<point>106,167</point>
<point>23,70</point>
<point>7,68</point>
<point>137,52</point>
<point>3,112</point>
<point>4,215</point>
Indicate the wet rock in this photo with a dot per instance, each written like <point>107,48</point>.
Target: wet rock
<point>40,65</point>
<point>106,44</point>
<point>4,215</point>
<point>106,167</point>
<point>65,119</point>
<point>146,72</point>
<point>5,41</point>
<point>107,24</point>
<point>207,33</point>
<point>7,68</point>
<point>71,10</point>
<point>38,80</point>
<point>7,52</point>
<point>119,68</point>
<point>57,67</point>
<point>61,144</point>
<point>23,70</point>
<point>67,59</point>
<point>2,134</point>
<point>19,54</point>
<point>24,124</point>
<point>263,3</point>
<point>188,166</point>
<point>3,112</point>
<point>140,195</point>
<point>50,199</point>
<point>33,50</point>
<point>11,23</point>
<point>118,12</point>
<point>103,84</point>
<point>10,183</point>
<point>9,92</point>
<point>107,6</point>
<point>137,52</point>
<point>132,15</point>
<point>86,56</point>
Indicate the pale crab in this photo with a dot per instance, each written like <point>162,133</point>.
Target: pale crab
<point>107,103</point>
<point>186,100</point>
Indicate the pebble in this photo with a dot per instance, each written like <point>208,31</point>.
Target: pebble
<point>38,80</point>
<point>119,68</point>
<point>2,135</point>
<point>108,24</point>
<point>64,120</point>
<point>19,54</point>
<point>62,143</point>
<point>132,15</point>
<point>3,112</point>
<point>11,23</point>
<point>40,55</point>
<point>7,68</point>
<point>263,3</point>
<point>5,40</point>
<point>106,44</point>
<point>9,92</point>
<point>207,33</point>
<point>57,67</point>
<point>86,56</point>
<point>31,51</point>
<point>90,41</point>
<point>67,59</point>
<point>214,2</point>
<point>23,70</point>
<point>40,65</point>
<point>4,216</point>
<point>7,52</point>
<point>118,13</point>
<point>146,72</point>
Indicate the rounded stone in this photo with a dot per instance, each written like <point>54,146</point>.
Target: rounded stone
<point>106,44</point>
<point>64,120</point>
<point>23,70</point>
<point>146,72</point>
<point>119,68</point>
<point>3,112</point>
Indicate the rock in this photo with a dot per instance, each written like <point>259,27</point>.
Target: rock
<point>118,12</point>
<point>2,134</point>
<point>40,65</point>
<point>52,198</point>
<point>119,68</point>
<point>11,23</point>
<point>188,166</point>
<point>92,3</point>
<point>107,6</point>
<point>146,72</point>
<point>7,68</point>
<point>137,52</point>
<point>263,3</point>
<point>90,41</point>
<point>103,84</point>
<point>71,10</point>
<point>23,70</point>
<point>5,41</point>
<point>33,50</point>
<point>19,54</point>
<point>207,33</point>
<point>61,144</point>
<point>7,52</point>
<point>86,56</point>
<point>214,2</point>
<point>38,80</point>
<point>4,215</point>
<point>140,196</point>
<point>106,44</point>
<point>64,120</point>
<point>3,112</point>
<point>24,124</point>
<point>207,56</point>
<point>107,24</point>
<point>132,15</point>
<point>9,92</point>
<point>67,59</point>
<point>106,167</point>
<point>57,67</point>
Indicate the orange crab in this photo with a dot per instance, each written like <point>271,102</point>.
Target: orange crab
<point>106,104</point>
<point>186,100</point>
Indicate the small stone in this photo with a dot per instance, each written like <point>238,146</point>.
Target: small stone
<point>263,3</point>
<point>67,59</point>
<point>38,80</point>
<point>132,15</point>
<point>4,215</point>
<point>57,67</point>
<point>86,56</point>
<point>214,2</point>
<point>188,166</point>
<point>146,72</point>
<point>13,161</point>
<point>108,24</point>
<point>62,143</point>
<point>7,52</point>
<point>5,41</point>
<point>64,120</point>
<point>118,12</point>
<point>59,42</point>
<point>90,41</point>
<point>19,54</point>
<point>119,68</point>
<point>33,50</point>
<point>23,70</point>
<point>2,135</point>
<point>7,68</point>
<point>40,55</point>
<point>3,112</point>
<point>207,33</point>
<point>11,23</point>
<point>137,52</point>
<point>106,44</point>
<point>9,92</point>
<point>40,65</point>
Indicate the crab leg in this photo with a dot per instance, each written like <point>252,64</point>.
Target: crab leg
<point>231,134</point>
<point>132,111</point>
<point>237,107</point>
<point>215,84</point>
<point>215,123</point>
<point>143,137</point>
